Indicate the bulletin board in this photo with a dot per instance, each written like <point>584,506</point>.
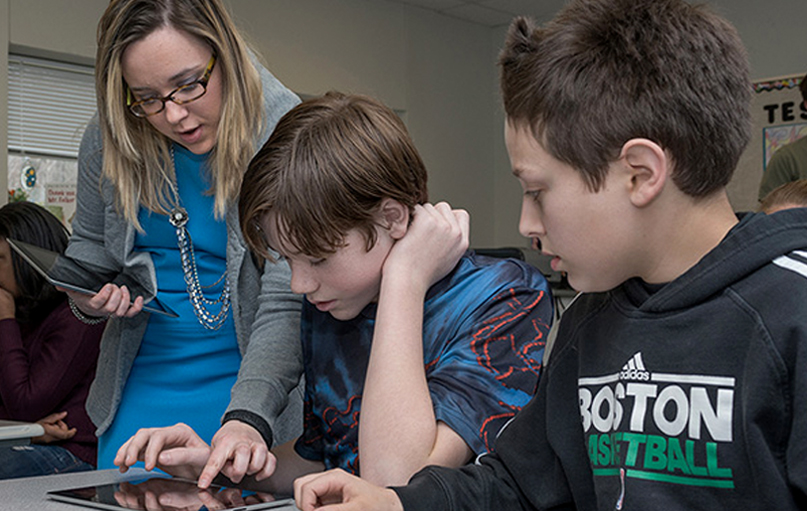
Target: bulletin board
<point>779,117</point>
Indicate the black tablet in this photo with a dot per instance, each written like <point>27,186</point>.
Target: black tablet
<point>62,271</point>
<point>165,493</point>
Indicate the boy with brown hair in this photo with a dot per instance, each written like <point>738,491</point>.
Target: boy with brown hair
<point>677,378</point>
<point>415,352</point>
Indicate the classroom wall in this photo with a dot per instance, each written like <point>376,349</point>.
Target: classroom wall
<point>4,9</point>
<point>437,71</point>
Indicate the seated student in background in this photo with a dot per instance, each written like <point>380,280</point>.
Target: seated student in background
<point>436,347</point>
<point>677,380</point>
<point>786,196</point>
<point>47,356</point>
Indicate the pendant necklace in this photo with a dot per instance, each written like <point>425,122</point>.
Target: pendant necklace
<point>179,219</point>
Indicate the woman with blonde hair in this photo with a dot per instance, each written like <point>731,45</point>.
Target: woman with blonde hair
<point>182,106</point>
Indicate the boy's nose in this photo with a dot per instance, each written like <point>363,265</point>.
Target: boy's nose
<point>301,282</point>
<point>530,225</point>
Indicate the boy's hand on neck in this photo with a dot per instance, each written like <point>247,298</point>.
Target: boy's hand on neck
<point>435,241</point>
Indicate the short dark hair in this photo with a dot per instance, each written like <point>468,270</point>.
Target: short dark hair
<point>325,169</point>
<point>606,71</point>
<point>33,224</point>
<point>803,87</point>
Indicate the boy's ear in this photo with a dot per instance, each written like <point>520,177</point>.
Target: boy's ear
<point>394,217</point>
<point>648,167</point>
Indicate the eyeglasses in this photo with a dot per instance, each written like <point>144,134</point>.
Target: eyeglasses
<point>181,95</point>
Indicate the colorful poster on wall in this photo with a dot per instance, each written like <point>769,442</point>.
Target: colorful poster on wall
<point>778,136</point>
<point>778,116</point>
<point>60,199</point>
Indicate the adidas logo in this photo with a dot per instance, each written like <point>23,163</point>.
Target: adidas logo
<point>634,369</point>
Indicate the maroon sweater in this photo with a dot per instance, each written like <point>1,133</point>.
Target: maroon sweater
<point>47,368</point>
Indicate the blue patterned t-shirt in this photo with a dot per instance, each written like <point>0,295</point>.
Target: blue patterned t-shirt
<point>484,331</point>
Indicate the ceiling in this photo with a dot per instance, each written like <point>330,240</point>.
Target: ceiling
<point>490,13</point>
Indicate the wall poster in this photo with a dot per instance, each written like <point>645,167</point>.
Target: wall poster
<point>779,117</point>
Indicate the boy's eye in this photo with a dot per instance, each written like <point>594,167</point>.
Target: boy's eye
<point>535,195</point>
<point>317,262</point>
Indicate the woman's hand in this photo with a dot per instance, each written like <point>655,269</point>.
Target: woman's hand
<point>56,430</point>
<point>177,450</point>
<point>238,449</point>
<point>111,300</point>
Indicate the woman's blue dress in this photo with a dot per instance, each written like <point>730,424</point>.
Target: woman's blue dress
<point>183,371</point>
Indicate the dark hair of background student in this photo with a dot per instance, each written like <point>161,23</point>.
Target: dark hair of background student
<point>33,224</point>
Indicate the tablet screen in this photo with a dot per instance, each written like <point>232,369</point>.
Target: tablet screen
<point>161,493</point>
<point>68,273</point>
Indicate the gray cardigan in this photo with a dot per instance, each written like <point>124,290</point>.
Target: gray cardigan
<point>266,313</point>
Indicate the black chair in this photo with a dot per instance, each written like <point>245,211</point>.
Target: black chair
<point>501,252</point>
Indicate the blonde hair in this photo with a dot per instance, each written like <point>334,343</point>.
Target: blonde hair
<point>788,195</point>
<point>134,153</point>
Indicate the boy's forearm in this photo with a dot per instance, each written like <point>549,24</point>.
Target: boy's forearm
<point>398,427</point>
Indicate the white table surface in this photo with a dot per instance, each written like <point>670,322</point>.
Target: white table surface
<point>18,433</point>
<point>29,494</point>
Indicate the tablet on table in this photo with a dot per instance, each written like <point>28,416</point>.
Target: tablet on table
<point>158,491</point>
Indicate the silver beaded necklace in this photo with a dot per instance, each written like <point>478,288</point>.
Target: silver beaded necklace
<point>179,219</point>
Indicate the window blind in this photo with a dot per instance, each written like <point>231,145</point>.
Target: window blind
<point>49,105</point>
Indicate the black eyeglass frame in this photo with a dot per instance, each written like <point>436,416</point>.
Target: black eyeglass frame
<point>136,107</point>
